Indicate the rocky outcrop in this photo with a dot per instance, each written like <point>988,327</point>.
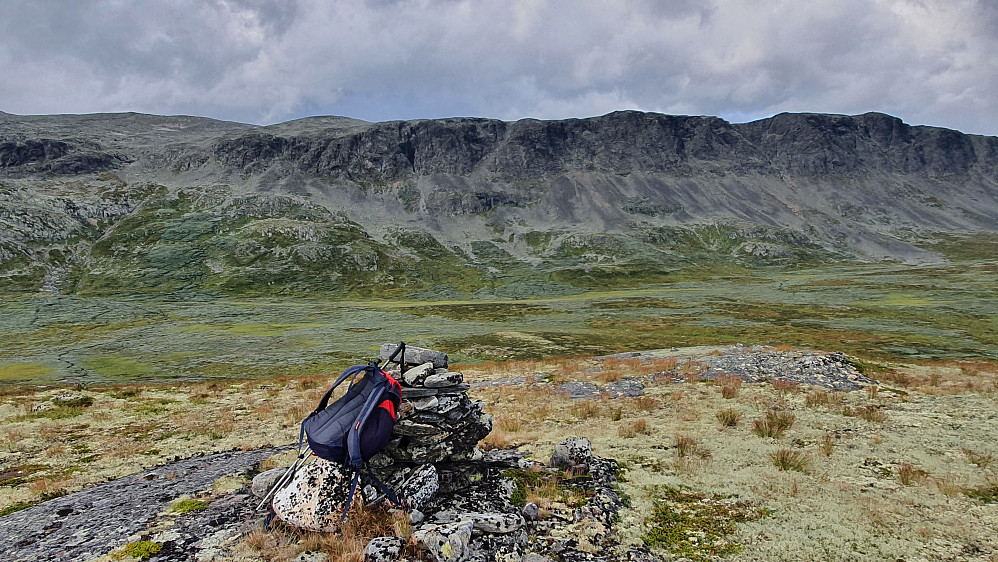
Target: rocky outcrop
<point>91,523</point>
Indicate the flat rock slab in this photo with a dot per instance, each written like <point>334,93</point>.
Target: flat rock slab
<point>95,521</point>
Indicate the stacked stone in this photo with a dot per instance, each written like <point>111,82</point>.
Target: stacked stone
<point>437,422</point>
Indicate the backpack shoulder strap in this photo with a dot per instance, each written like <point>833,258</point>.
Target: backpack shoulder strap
<point>351,372</point>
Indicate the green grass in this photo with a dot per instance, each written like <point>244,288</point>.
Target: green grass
<point>117,367</point>
<point>16,372</point>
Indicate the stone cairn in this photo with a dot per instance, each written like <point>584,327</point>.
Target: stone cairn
<point>437,422</point>
<point>459,499</point>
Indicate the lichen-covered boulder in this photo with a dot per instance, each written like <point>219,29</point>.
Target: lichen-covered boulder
<point>573,454</point>
<point>383,549</point>
<point>418,486</point>
<point>315,497</point>
<point>444,543</point>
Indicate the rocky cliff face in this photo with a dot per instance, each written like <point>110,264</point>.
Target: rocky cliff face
<point>123,202</point>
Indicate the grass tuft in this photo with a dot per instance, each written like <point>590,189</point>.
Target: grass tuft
<point>791,459</point>
<point>777,422</point>
<point>910,474</point>
<point>872,414</point>
<point>728,417</point>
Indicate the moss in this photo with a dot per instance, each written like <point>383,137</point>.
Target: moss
<point>16,507</point>
<point>188,505</point>
<point>140,550</point>
<point>696,526</point>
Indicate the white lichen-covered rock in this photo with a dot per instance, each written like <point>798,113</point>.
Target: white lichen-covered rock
<point>419,487</point>
<point>443,380</point>
<point>416,375</point>
<point>383,549</point>
<point>444,543</point>
<point>574,453</point>
<point>314,499</point>
<point>531,511</point>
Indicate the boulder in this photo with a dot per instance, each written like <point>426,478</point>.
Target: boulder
<point>314,498</point>
<point>531,511</point>
<point>572,454</point>
<point>418,486</point>
<point>263,482</point>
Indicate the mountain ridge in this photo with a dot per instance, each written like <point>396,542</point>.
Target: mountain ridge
<point>526,199</point>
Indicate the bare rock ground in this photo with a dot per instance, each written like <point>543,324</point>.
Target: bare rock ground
<point>93,522</point>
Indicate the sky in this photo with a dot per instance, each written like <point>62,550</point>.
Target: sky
<point>932,62</point>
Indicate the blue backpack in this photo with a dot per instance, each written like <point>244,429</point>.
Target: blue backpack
<point>355,427</point>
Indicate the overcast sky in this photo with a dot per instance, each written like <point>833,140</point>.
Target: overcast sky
<point>929,62</point>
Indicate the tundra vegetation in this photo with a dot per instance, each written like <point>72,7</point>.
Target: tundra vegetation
<point>828,482</point>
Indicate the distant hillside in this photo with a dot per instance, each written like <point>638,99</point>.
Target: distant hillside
<point>98,204</point>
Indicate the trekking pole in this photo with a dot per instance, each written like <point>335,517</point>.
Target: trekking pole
<point>284,479</point>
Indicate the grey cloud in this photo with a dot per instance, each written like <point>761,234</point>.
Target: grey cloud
<point>927,61</point>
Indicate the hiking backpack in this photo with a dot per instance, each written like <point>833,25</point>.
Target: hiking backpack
<point>355,427</point>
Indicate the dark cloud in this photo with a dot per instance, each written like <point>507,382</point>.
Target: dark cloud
<point>927,61</point>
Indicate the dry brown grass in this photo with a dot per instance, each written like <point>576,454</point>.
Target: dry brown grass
<point>948,485</point>
<point>496,439</point>
<point>785,387</point>
<point>827,444</point>
<point>776,423</point>
<point>509,424</point>
<point>692,371</point>
<point>982,460</point>
<point>872,414</point>
<point>821,398</point>
<point>691,456</point>
<point>586,409</point>
<point>346,545</point>
<point>728,417</point>
<point>909,474</point>
<point>662,365</point>
<point>791,459</point>
<point>645,404</point>
<point>635,428</point>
